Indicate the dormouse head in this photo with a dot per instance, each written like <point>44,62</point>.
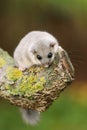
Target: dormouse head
<point>44,51</point>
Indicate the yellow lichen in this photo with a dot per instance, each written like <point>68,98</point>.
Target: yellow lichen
<point>32,79</point>
<point>29,85</point>
<point>35,70</point>
<point>2,62</point>
<point>13,73</point>
<point>42,79</point>
<point>7,87</point>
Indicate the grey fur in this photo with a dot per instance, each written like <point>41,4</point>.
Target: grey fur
<point>30,116</point>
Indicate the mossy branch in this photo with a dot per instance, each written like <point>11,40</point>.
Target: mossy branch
<point>37,87</point>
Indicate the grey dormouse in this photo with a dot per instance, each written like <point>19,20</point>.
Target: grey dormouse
<point>37,47</point>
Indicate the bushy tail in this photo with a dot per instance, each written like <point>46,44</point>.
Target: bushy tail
<point>30,116</point>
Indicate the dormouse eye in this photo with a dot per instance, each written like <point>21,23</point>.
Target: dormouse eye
<point>50,55</point>
<point>52,45</point>
<point>39,57</point>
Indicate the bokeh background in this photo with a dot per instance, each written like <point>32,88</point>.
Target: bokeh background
<point>67,21</point>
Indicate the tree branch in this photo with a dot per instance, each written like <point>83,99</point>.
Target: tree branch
<point>37,87</point>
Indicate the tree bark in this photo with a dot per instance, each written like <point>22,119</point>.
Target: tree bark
<point>35,88</point>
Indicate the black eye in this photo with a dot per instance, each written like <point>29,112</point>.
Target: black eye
<point>39,57</point>
<point>50,55</point>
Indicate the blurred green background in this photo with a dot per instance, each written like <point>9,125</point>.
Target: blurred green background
<point>67,21</point>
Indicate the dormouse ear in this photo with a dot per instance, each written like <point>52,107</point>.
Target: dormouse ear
<point>33,50</point>
<point>52,44</point>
